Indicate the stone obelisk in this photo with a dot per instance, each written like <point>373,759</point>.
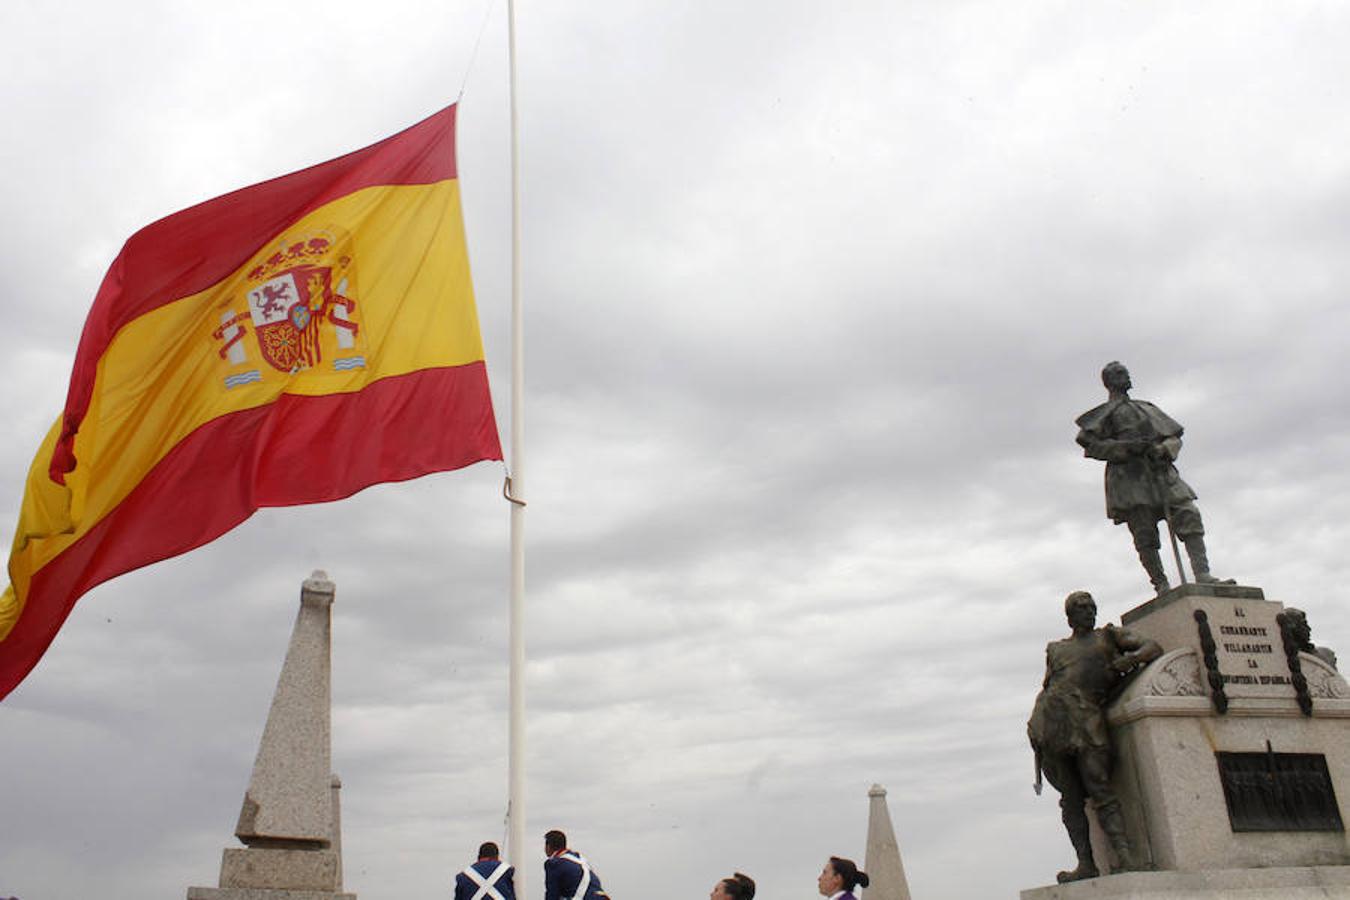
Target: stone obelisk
<point>882,863</point>
<point>289,823</point>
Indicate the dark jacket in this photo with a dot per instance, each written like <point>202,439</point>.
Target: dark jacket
<point>1120,432</point>
<point>564,873</point>
<point>466,887</point>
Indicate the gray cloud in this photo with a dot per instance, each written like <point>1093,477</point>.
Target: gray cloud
<point>812,301</point>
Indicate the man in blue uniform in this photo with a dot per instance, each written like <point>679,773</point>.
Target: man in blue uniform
<point>487,879</point>
<point>567,875</point>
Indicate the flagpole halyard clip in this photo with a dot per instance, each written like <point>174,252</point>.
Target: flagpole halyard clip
<point>506,492</point>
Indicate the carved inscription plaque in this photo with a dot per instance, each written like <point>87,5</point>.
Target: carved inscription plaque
<point>1278,792</point>
<point>1249,648</point>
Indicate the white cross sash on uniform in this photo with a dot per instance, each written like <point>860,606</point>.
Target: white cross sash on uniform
<point>585,883</point>
<point>487,887</point>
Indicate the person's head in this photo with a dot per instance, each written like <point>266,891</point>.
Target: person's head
<point>1081,611</point>
<point>1296,620</point>
<point>737,887</point>
<point>554,841</point>
<point>488,850</point>
<point>838,875</point>
<point>1116,377</point>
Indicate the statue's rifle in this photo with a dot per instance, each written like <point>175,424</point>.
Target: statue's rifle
<point>1171,532</point>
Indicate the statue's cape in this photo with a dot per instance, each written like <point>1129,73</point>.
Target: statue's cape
<point>1163,424</point>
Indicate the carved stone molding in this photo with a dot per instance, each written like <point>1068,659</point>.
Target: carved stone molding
<point>1324,682</point>
<point>1175,674</point>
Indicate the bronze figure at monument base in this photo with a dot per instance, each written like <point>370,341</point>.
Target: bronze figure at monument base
<point>1068,728</point>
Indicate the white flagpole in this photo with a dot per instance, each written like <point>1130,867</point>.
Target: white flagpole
<point>516,777</point>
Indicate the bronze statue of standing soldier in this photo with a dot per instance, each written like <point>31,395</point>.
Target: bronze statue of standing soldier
<point>1139,443</point>
<point>1068,726</point>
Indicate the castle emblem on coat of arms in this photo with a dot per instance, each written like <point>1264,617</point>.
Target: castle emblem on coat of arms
<point>297,303</point>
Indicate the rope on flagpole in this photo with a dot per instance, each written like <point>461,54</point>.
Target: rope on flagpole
<point>473,56</point>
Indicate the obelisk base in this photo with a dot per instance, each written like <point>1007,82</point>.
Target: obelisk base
<point>254,873</point>
<point>206,893</point>
<point>292,870</point>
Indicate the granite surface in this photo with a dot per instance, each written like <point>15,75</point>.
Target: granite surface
<point>1300,883</point>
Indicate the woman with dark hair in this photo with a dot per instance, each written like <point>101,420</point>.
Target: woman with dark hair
<point>737,887</point>
<point>839,877</point>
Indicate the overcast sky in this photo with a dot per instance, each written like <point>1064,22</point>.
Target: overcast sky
<point>814,293</point>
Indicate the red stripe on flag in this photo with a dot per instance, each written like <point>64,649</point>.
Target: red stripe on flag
<point>300,449</point>
<point>189,251</point>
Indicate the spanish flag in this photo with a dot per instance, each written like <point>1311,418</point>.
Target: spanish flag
<point>291,342</point>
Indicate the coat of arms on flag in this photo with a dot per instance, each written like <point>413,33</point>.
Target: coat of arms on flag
<point>298,298</point>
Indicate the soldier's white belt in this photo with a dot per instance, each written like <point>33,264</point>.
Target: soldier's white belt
<point>487,887</point>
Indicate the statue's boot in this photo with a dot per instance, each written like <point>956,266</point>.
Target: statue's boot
<point>1195,549</point>
<point>1086,869</point>
<point>1076,823</point>
<point>1113,824</point>
<point>1154,567</point>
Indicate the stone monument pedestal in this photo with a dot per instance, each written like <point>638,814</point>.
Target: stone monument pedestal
<point>1303,883</point>
<point>1232,759</point>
